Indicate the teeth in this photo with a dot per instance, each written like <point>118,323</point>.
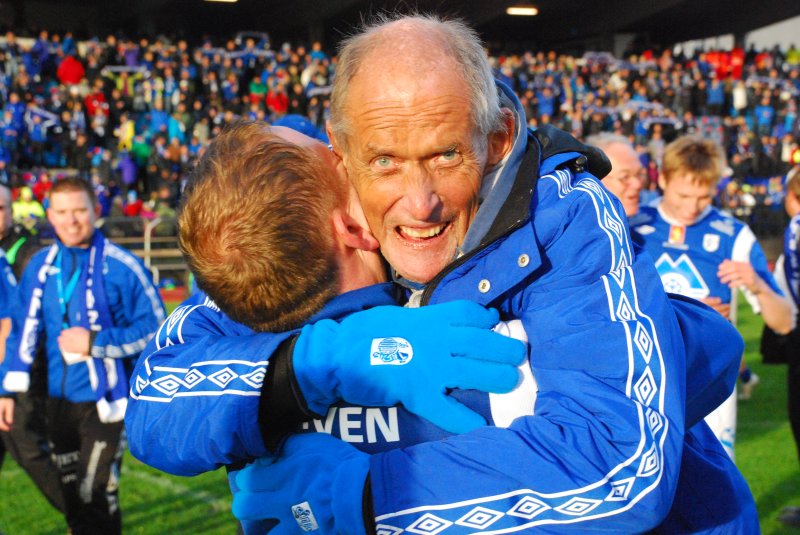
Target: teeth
<point>422,232</point>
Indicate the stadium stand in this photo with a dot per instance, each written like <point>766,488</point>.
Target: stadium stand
<point>132,116</point>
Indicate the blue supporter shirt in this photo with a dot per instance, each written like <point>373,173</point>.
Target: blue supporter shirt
<point>687,257</point>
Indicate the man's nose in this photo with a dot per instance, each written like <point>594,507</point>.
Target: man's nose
<point>422,199</point>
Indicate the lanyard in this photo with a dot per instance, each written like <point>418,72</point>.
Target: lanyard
<point>65,294</point>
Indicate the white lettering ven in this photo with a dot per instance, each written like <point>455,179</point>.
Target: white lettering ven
<point>350,419</point>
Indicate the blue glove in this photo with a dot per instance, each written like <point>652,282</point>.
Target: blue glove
<point>316,485</point>
<point>388,355</point>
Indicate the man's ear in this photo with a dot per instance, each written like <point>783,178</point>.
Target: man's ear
<point>335,144</point>
<point>329,131</point>
<point>351,234</point>
<point>500,142</point>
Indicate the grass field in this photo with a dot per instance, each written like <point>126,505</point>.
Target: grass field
<point>157,504</point>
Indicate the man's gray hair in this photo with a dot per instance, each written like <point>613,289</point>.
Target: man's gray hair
<point>459,42</point>
<point>603,140</point>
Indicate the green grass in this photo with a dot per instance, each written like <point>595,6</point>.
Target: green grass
<point>157,504</point>
<point>152,503</point>
<point>765,450</point>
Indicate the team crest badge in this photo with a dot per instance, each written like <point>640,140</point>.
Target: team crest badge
<point>677,234</point>
<point>391,351</point>
<point>710,242</point>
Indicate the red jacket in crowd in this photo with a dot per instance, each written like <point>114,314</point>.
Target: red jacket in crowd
<point>70,71</point>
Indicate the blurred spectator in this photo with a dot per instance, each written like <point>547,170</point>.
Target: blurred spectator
<point>133,205</point>
<point>41,188</point>
<point>70,71</point>
<point>27,211</point>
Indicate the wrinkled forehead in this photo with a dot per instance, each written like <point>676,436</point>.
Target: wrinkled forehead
<point>623,157</point>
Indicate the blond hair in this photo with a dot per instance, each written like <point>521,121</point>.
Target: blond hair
<point>702,158</point>
<point>256,230</point>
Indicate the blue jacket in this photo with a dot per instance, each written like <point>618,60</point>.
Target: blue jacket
<point>8,287</point>
<point>136,310</point>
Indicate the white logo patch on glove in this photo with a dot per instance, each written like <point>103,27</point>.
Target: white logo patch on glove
<point>305,517</point>
<point>392,351</point>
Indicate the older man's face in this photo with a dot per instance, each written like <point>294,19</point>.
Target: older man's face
<point>626,178</point>
<point>417,163</point>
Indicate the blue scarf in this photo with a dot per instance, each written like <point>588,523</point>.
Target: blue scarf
<point>106,375</point>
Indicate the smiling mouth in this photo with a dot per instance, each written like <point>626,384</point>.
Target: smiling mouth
<point>422,234</point>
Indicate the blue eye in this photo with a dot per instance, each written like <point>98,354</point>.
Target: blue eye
<point>449,155</point>
<point>383,161</point>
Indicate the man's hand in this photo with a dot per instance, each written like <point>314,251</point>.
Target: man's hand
<point>389,355</point>
<point>717,304</point>
<point>316,484</point>
<point>75,340</point>
<point>6,413</point>
<point>740,275</point>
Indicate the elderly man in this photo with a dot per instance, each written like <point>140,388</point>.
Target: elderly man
<point>467,204</point>
<point>627,175</point>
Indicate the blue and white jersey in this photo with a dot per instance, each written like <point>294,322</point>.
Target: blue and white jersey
<point>787,268</point>
<point>8,287</point>
<point>687,257</point>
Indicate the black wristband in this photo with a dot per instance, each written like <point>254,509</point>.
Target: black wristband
<point>282,407</point>
<point>92,337</point>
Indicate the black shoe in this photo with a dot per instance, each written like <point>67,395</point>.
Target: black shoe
<point>790,516</point>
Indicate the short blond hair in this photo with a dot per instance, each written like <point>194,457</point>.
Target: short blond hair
<point>255,227</point>
<point>703,158</point>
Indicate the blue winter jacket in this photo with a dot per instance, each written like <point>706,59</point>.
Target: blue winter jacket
<point>135,306</point>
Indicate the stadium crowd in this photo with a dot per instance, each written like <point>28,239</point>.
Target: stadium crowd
<point>133,116</point>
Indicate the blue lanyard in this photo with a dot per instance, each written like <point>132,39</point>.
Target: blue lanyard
<point>64,295</point>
